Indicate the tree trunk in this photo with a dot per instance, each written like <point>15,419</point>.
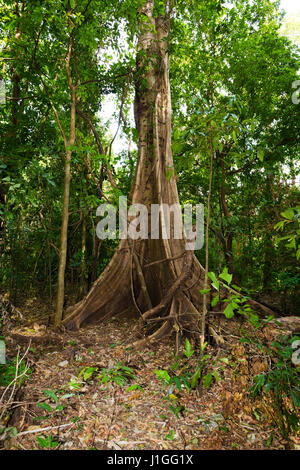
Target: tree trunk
<point>121,287</point>
<point>228,234</point>
<point>83,270</point>
<point>66,198</point>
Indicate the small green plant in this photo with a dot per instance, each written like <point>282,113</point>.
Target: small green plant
<point>47,407</point>
<point>236,303</point>
<point>119,374</point>
<point>171,435</point>
<point>135,387</point>
<point>14,369</point>
<point>47,442</point>
<point>74,386</point>
<point>87,372</point>
<point>8,432</point>
<point>186,377</point>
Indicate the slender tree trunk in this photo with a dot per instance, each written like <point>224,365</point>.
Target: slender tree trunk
<point>272,213</point>
<point>83,272</point>
<point>228,235</point>
<point>205,296</point>
<point>66,198</point>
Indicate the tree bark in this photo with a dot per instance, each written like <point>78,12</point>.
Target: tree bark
<point>228,235</point>
<point>66,198</point>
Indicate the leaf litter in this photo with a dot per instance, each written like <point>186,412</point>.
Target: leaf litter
<point>61,409</point>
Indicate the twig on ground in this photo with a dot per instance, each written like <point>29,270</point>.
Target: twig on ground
<point>48,428</point>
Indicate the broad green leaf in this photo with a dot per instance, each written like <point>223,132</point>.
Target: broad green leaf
<point>188,349</point>
<point>288,214</point>
<point>51,394</point>
<point>229,312</point>
<point>215,300</point>
<point>207,379</point>
<point>45,406</point>
<point>212,276</point>
<point>204,291</point>
<point>226,276</point>
<point>260,155</point>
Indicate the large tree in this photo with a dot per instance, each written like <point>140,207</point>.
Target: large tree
<point>157,279</point>
<point>149,276</point>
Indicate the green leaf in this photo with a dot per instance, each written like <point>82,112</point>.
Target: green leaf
<point>134,387</point>
<point>270,439</point>
<point>225,360</point>
<point>162,375</point>
<point>51,394</point>
<point>260,155</point>
<point>176,410</point>
<point>296,397</point>
<point>195,378</point>
<point>259,383</point>
<point>226,276</point>
<point>288,214</point>
<point>216,285</point>
<point>177,382</point>
<point>45,406</point>
<point>207,379</point>
<point>171,435</point>
<point>47,442</point>
<point>188,349</point>
<point>213,277</point>
<point>204,291</point>
<point>215,300</point>
<point>229,312</point>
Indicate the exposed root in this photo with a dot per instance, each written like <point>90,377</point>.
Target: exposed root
<point>109,295</point>
<point>184,276</point>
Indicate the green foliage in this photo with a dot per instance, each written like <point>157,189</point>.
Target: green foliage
<point>236,303</point>
<point>47,442</point>
<point>119,374</point>
<point>188,351</point>
<point>171,435</point>
<point>291,225</point>
<point>87,372</point>
<point>48,407</point>
<point>251,117</point>
<point>183,376</point>
<point>8,432</point>
<point>9,371</point>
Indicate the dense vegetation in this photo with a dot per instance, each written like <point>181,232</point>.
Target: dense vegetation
<point>235,144</point>
<point>227,64</point>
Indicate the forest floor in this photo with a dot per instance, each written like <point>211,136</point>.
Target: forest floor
<point>56,407</point>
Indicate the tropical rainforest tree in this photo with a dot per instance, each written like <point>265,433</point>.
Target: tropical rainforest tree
<point>233,135</point>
